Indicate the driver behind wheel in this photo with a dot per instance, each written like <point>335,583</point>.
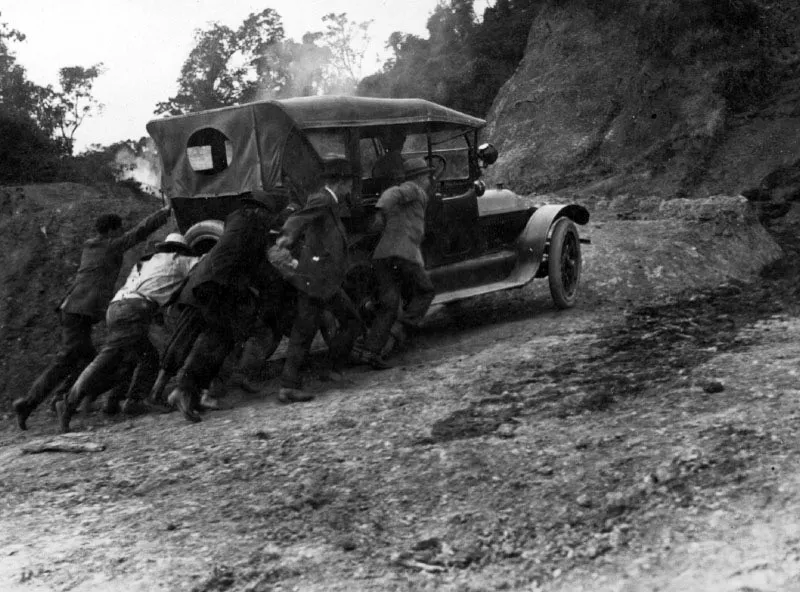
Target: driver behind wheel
<point>389,167</point>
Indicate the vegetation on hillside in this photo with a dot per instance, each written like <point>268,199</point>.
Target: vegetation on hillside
<point>463,63</point>
<point>38,123</point>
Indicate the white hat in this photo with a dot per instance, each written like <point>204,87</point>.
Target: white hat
<point>174,239</point>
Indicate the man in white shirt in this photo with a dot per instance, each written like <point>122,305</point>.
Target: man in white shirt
<point>150,285</point>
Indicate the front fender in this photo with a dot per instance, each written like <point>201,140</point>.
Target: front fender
<point>532,240</point>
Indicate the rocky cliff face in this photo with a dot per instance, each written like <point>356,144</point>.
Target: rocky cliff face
<point>656,97</point>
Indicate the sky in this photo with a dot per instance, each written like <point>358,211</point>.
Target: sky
<point>143,44</point>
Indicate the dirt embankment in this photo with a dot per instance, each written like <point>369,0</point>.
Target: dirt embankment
<point>643,440</point>
<point>42,229</point>
<point>666,98</point>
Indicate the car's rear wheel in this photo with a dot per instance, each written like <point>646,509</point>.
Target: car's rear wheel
<point>564,263</point>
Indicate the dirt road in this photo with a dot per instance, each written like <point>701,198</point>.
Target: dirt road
<point>627,444</point>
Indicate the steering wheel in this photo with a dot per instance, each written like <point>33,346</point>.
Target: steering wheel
<point>439,165</point>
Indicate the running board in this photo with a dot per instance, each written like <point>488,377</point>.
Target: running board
<point>446,297</point>
<point>477,274</point>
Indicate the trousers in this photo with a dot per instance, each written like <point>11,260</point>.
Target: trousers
<point>306,324</point>
<point>398,279</point>
<point>126,354</point>
<point>74,354</point>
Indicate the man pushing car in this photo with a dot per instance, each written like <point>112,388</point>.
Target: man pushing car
<point>397,260</point>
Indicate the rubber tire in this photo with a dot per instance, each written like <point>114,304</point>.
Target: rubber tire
<point>564,263</point>
<point>205,230</point>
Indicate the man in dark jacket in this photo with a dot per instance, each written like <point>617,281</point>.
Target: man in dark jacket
<point>85,304</point>
<point>397,259</point>
<point>223,298</point>
<point>321,267</point>
<point>128,355</point>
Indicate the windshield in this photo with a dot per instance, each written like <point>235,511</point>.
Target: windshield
<point>377,150</point>
<point>452,146</point>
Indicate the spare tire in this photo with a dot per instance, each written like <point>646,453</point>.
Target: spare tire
<point>202,236</point>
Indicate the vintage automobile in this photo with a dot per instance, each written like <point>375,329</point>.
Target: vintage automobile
<point>478,240</point>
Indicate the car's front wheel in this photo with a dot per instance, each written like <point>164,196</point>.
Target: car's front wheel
<point>564,263</point>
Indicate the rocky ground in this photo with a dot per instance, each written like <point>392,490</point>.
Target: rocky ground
<point>643,440</point>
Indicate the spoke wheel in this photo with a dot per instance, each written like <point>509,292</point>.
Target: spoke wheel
<point>564,263</point>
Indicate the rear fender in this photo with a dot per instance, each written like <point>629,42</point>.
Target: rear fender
<point>532,240</point>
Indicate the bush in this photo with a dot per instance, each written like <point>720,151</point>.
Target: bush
<point>27,154</point>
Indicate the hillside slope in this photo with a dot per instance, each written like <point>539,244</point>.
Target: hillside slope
<point>42,229</point>
<point>666,98</point>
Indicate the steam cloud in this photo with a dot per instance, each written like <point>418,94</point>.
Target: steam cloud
<point>143,167</point>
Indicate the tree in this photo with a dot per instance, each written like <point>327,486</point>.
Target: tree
<point>402,74</point>
<point>464,62</point>
<point>70,107</point>
<point>437,68</point>
<point>347,42</point>
<point>227,67</point>
<point>305,66</point>
<point>16,91</point>
<point>27,151</point>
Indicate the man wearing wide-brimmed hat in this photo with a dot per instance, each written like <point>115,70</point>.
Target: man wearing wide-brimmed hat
<point>397,259</point>
<point>318,274</point>
<point>127,350</point>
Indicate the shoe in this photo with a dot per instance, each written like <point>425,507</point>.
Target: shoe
<point>64,415</point>
<point>331,376</point>
<point>292,395</point>
<point>378,363</point>
<point>134,407</point>
<point>375,361</point>
<point>23,411</point>
<point>207,402</point>
<point>182,400</point>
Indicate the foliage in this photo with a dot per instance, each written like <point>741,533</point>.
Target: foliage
<point>227,67</point>
<point>464,62</point>
<point>256,61</point>
<point>27,153</point>
<point>303,67</point>
<point>346,42</point>
<point>75,102</point>
<point>56,113</point>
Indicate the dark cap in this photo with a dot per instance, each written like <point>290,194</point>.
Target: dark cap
<point>414,167</point>
<point>270,200</point>
<point>106,222</point>
<point>336,167</point>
